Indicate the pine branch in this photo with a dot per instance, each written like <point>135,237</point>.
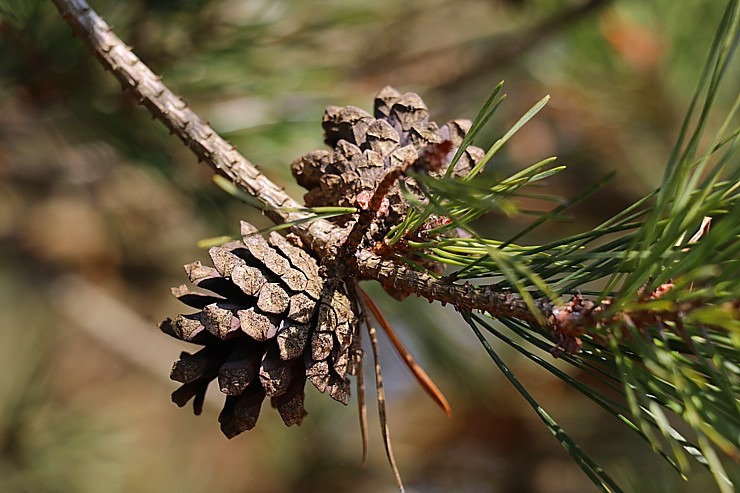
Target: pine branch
<point>321,236</point>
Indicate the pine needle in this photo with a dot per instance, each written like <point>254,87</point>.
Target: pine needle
<point>597,475</point>
<point>372,334</point>
<point>362,410</point>
<point>361,402</point>
<point>421,376</point>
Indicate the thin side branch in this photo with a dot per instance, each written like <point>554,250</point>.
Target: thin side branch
<point>464,297</point>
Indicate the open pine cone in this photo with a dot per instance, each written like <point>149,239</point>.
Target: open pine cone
<point>271,321</point>
<point>366,147</point>
<point>270,324</point>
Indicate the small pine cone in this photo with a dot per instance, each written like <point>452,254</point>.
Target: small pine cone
<point>268,324</point>
<point>364,147</point>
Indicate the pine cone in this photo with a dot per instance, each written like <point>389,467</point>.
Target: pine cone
<point>270,324</point>
<point>365,147</point>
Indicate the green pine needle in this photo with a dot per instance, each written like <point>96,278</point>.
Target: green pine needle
<point>597,475</point>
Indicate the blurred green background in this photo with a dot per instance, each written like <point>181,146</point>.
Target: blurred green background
<point>99,208</point>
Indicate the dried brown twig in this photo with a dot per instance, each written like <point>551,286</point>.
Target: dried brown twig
<point>566,321</point>
<point>319,235</point>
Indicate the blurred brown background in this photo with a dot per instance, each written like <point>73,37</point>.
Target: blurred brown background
<point>99,208</point>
